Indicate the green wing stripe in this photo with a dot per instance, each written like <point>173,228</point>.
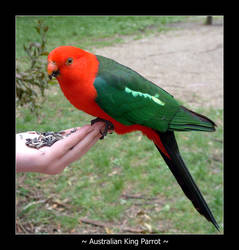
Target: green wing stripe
<point>137,93</point>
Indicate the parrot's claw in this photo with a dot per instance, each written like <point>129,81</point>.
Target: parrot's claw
<point>108,126</point>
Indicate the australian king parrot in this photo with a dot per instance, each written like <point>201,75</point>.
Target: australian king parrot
<point>128,102</point>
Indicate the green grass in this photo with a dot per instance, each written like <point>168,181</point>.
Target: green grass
<point>96,186</point>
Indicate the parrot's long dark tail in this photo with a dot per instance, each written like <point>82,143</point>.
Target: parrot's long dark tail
<point>182,175</point>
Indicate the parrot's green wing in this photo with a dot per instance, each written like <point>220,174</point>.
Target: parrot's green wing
<point>130,99</point>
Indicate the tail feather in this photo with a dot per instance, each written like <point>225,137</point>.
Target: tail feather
<point>183,176</point>
<point>186,119</point>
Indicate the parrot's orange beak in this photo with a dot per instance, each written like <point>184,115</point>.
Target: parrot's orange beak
<point>52,70</point>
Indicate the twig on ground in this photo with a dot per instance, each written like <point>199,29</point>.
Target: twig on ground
<point>130,196</point>
<point>93,222</point>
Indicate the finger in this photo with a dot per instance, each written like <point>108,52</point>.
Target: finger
<point>78,149</point>
<point>87,147</point>
<point>98,126</point>
<point>67,158</point>
<point>81,148</point>
<point>64,145</point>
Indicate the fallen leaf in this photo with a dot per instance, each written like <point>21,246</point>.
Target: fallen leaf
<point>108,231</point>
<point>148,226</point>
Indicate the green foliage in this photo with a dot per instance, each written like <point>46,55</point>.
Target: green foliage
<point>33,80</point>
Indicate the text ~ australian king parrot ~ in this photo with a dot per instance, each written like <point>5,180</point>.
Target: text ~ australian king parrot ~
<point>128,102</point>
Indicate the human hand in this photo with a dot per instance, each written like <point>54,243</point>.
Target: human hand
<point>53,160</point>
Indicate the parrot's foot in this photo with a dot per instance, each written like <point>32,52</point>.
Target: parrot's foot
<point>108,126</point>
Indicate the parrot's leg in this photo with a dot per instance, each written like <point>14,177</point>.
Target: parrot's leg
<point>108,126</point>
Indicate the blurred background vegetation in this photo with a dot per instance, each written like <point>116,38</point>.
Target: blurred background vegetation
<point>124,186</point>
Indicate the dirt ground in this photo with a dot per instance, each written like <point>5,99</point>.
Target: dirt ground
<point>186,61</point>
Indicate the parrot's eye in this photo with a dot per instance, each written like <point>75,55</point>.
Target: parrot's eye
<point>69,61</point>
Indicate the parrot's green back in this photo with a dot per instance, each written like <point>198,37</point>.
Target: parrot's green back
<point>131,99</point>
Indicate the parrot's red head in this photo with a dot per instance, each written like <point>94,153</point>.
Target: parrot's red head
<point>75,70</point>
<point>64,60</point>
